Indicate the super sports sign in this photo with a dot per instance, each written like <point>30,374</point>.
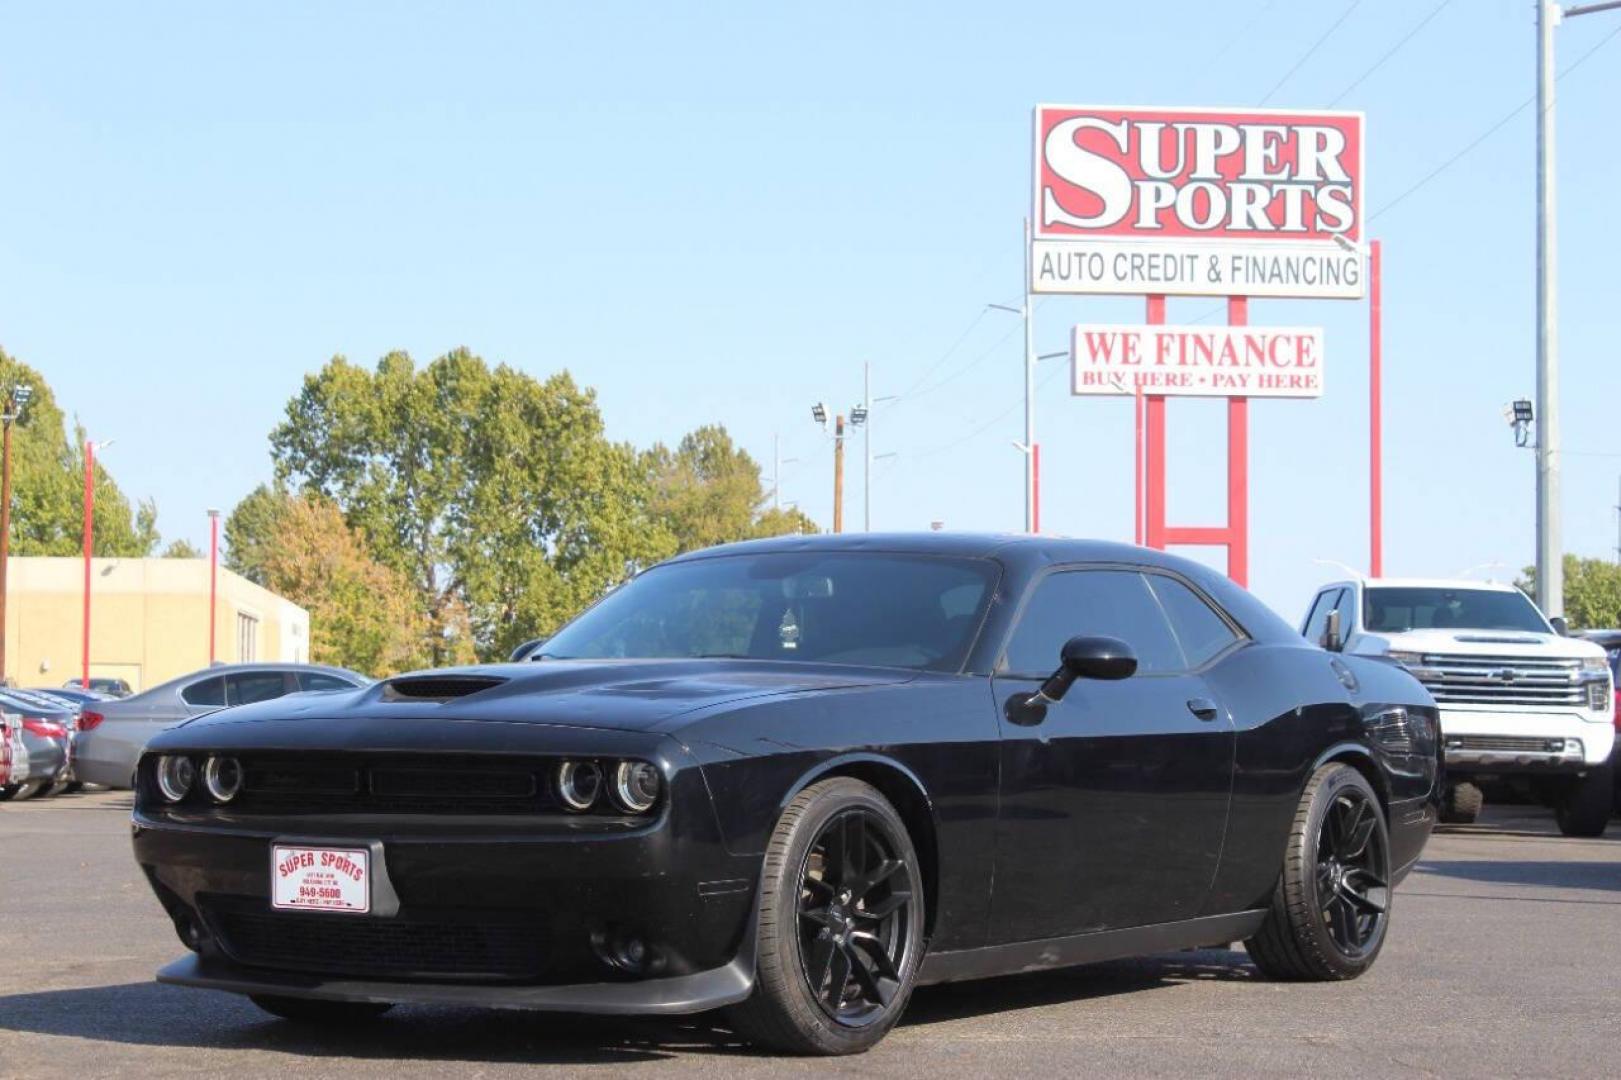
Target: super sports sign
<point>1197,202</point>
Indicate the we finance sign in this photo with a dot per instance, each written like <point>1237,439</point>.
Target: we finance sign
<point>1210,361</point>
<point>1197,202</point>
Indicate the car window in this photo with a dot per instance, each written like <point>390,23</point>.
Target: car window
<point>1113,603</point>
<point>1199,630</point>
<point>207,692</point>
<point>319,680</point>
<point>1399,608</point>
<point>250,686</point>
<point>1317,621</point>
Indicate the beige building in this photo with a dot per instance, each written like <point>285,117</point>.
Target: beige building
<point>148,620</point>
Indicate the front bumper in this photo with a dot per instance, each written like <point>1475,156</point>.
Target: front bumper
<point>1503,742</point>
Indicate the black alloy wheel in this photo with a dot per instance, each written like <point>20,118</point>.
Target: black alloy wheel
<point>839,930</point>
<point>1331,906</point>
<point>1353,872</point>
<point>854,908</point>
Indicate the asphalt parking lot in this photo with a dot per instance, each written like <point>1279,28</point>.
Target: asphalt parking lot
<point>1504,958</point>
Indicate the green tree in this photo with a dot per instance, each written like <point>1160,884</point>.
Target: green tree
<point>708,491</point>
<point>498,495</point>
<point>47,481</point>
<point>1592,592</point>
<point>182,549</point>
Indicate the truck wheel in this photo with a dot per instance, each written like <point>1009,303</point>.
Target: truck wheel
<point>9,791</point>
<point>1331,905</point>
<point>840,927</point>
<point>1585,808</point>
<point>1462,804</point>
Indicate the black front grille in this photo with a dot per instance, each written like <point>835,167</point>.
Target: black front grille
<point>364,946</point>
<point>396,784</point>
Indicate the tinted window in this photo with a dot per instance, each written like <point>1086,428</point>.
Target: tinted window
<point>1199,630</point>
<point>1317,621</point>
<point>1114,603</point>
<point>835,607</point>
<point>1395,609</point>
<point>207,692</point>
<point>316,680</point>
<point>251,686</point>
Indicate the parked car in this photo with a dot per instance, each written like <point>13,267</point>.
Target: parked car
<point>796,778</point>
<point>10,747</point>
<point>117,688</point>
<point>47,734</point>
<point>74,697</point>
<point>112,734</point>
<point>1519,700</point>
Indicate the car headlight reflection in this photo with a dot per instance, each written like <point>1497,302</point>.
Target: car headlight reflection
<point>176,773</point>
<point>636,786</point>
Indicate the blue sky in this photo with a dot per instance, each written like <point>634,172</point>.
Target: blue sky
<point>718,212</point>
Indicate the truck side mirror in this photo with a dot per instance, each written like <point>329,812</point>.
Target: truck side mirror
<point>1331,633</point>
<point>1560,626</point>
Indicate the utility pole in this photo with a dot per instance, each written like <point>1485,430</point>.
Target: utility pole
<point>866,446</point>
<point>1550,567</point>
<point>838,473</point>
<point>16,400</point>
<point>1031,451</point>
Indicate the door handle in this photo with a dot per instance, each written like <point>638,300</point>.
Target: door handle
<point>1203,708</point>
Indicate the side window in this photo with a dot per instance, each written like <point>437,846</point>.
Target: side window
<point>1317,622</point>
<point>1115,603</point>
<point>207,692</point>
<point>1200,631</point>
<point>316,680</point>
<point>251,686</point>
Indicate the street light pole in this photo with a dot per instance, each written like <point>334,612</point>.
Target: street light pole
<point>1550,567</point>
<point>1030,449</point>
<point>866,446</point>
<point>89,519</point>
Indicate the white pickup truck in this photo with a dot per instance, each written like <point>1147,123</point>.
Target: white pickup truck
<point>1518,699</point>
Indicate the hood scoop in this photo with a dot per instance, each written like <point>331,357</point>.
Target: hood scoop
<point>437,687</point>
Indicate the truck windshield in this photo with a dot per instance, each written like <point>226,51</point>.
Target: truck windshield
<point>1396,609</point>
<point>889,610</point>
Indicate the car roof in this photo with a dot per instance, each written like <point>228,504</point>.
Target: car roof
<point>966,544</point>
<point>182,681</point>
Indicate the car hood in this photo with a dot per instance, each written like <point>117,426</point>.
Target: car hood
<point>626,695</point>
<point>1490,643</point>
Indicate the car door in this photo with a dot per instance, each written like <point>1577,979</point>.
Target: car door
<point>1114,802</point>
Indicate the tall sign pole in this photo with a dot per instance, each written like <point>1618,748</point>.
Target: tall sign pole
<point>1550,572</point>
<point>1029,448</point>
<point>1376,453</point>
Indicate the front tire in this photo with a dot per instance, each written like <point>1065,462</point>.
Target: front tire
<point>314,1011</point>
<point>840,926</point>
<point>1584,808</point>
<point>1462,804</point>
<point>1331,905</point>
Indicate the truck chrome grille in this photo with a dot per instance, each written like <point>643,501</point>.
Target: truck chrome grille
<point>1531,681</point>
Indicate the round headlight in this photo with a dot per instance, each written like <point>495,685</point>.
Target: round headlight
<point>578,784</point>
<point>176,774</point>
<point>636,786</point>
<point>222,776</point>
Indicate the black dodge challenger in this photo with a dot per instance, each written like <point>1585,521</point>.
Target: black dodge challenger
<point>795,779</point>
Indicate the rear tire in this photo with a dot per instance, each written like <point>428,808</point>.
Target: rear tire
<point>9,791</point>
<point>30,789</point>
<point>1462,804</point>
<point>1331,906</point>
<point>325,1013</point>
<point>840,929</point>
<point>1584,810</point>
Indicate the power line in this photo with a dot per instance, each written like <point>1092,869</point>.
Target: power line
<point>987,425</point>
<point>955,345</point>
<point>1394,49</point>
<point>1287,75</point>
<point>1493,129</point>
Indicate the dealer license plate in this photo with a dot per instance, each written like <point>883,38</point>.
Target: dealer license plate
<point>320,878</point>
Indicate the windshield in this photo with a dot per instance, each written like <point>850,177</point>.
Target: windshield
<point>890,610</point>
<point>1393,610</point>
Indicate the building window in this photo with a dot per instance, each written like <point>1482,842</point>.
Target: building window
<point>247,637</point>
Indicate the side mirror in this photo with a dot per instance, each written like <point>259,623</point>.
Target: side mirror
<point>1331,633</point>
<point>1102,658</point>
<point>1560,626</point>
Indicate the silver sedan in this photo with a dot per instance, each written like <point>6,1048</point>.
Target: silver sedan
<point>112,734</point>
